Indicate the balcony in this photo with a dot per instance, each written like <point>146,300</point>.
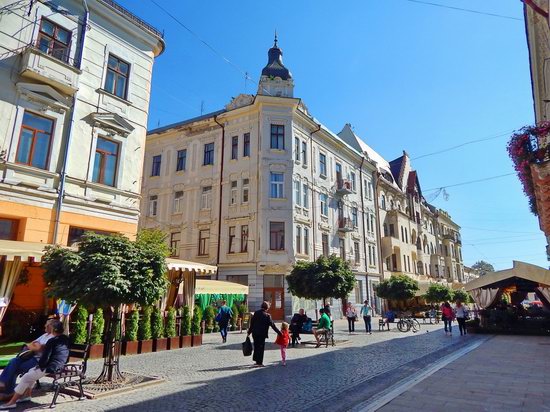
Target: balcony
<point>50,70</point>
<point>449,236</point>
<point>345,225</point>
<point>343,187</point>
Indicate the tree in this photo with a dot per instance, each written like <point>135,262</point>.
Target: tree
<point>109,271</point>
<point>327,277</point>
<point>398,287</point>
<point>171,323</point>
<point>133,327</point>
<point>462,296</point>
<point>437,293</point>
<point>482,268</point>
<point>80,332</point>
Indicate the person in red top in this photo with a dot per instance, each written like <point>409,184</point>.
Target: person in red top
<point>448,315</point>
<point>282,340</point>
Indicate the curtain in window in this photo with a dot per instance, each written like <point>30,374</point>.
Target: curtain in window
<point>8,280</point>
<point>484,297</point>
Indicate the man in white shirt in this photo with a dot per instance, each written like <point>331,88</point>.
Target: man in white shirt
<point>17,366</point>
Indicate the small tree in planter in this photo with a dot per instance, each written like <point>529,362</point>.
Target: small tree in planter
<point>80,331</point>
<point>186,327</point>
<point>144,331</point>
<point>209,315</point>
<point>462,296</point>
<point>96,335</point>
<point>235,311</point>
<point>196,326</point>
<point>171,334</point>
<point>399,288</point>
<point>130,341</point>
<point>438,293</point>
<point>157,330</point>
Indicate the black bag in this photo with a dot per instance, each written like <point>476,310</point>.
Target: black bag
<point>26,355</point>
<point>247,347</point>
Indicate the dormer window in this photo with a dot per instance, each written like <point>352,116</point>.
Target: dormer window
<point>54,40</point>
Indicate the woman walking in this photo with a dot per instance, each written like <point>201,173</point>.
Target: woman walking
<point>447,314</point>
<point>461,313</point>
<point>366,312</point>
<point>351,315</point>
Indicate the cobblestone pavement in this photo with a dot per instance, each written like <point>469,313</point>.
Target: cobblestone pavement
<point>507,373</point>
<point>216,377</point>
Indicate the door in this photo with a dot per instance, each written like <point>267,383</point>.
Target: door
<point>274,294</point>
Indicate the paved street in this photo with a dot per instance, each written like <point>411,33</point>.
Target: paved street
<point>217,377</point>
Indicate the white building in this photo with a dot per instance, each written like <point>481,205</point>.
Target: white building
<point>259,185</point>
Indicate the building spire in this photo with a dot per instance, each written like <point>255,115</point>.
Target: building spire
<point>275,42</point>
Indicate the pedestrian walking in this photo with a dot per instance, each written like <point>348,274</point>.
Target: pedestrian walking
<point>259,326</point>
<point>282,340</point>
<point>351,315</point>
<point>447,314</point>
<point>366,312</point>
<point>461,313</point>
<point>223,317</point>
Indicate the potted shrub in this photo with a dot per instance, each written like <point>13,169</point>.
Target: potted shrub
<point>173,338</point>
<point>186,327</point>
<point>96,336</point>
<point>144,331</point>
<point>235,311</point>
<point>130,345</point>
<point>157,330</point>
<point>80,330</point>
<point>196,326</point>
<point>208,317</point>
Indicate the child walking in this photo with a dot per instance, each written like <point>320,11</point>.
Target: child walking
<point>282,340</point>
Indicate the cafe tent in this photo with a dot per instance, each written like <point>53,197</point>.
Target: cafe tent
<point>208,292</point>
<point>522,277</point>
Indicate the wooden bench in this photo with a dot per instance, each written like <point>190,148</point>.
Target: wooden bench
<point>327,336</point>
<point>381,323</point>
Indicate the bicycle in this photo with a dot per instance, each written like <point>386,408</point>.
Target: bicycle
<point>407,323</point>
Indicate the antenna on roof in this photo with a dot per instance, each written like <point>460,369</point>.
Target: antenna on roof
<point>245,82</point>
<point>202,107</point>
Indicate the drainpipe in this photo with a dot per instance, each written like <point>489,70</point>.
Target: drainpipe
<point>313,206</point>
<point>221,197</point>
<point>363,219</point>
<point>63,176</point>
<point>376,177</point>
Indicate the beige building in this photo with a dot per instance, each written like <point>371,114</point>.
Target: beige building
<point>75,80</point>
<point>260,184</point>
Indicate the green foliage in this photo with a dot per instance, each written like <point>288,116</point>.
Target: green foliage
<point>398,287</point>
<point>209,315</point>
<point>80,330</point>
<point>186,321</point>
<point>462,296</point>
<point>233,320</point>
<point>171,323</point>
<point>108,270</point>
<point>132,327</point>
<point>196,322</point>
<point>437,293</point>
<point>98,325</point>
<point>327,277</point>
<point>243,308</point>
<point>157,324</point>
<point>482,268</point>
<point>144,330</point>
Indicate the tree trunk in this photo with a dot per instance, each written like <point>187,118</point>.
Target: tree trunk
<point>112,348</point>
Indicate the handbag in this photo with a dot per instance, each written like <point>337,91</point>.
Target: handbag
<point>218,317</point>
<point>247,347</point>
<point>25,355</point>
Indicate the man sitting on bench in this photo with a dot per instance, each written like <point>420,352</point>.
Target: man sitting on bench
<point>322,328</point>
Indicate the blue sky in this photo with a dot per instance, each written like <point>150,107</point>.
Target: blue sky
<point>407,76</point>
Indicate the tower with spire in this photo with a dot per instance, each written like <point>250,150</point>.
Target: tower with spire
<point>276,79</point>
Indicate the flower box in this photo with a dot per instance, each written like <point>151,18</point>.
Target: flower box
<point>174,343</point>
<point>186,341</point>
<point>96,351</point>
<point>130,347</point>
<point>196,340</point>
<point>145,346</point>
<point>159,344</point>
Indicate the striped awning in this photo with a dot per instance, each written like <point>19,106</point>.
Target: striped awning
<point>185,265</point>
<point>12,249</point>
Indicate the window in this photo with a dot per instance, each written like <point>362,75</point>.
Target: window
<point>304,153</point>
<point>359,291</point>
<point>392,230</point>
<point>245,190</point>
<point>8,229</point>
<point>204,237</point>
<point>277,136</point>
<point>54,40</point>
<point>402,234</point>
<point>296,149</point>
<point>153,205</point>
<point>354,216</point>
<point>383,202</point>
<point>356,254</point>
<point>324,204</point>
<point>178,202</point>
<point>276,236</point>
<point>234,147</point>
<point>297,193</point>
<point>181,160</point>
<point>208,154</point>
<point>353,181</point>
<point>76,233</point>
<point>175,243</point>
<point>277,180</point>
<point>342,247</point>
<point>306,241</point>
<point>322,164</point>
<point>116,81</point>
<point>105,162</point>
<point>386,233</point>
<point>231,248</point>
<point>35,141</point>
<point>372,223</point>
<point>298,239</point>
<point>155,168</point>
<point>305,194</point>
<point>206,197</point>
<point>324,244</point>
<point>234,192</point>
<point>246,145</point>
<point>244,238</point>
<point>240,279</point>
